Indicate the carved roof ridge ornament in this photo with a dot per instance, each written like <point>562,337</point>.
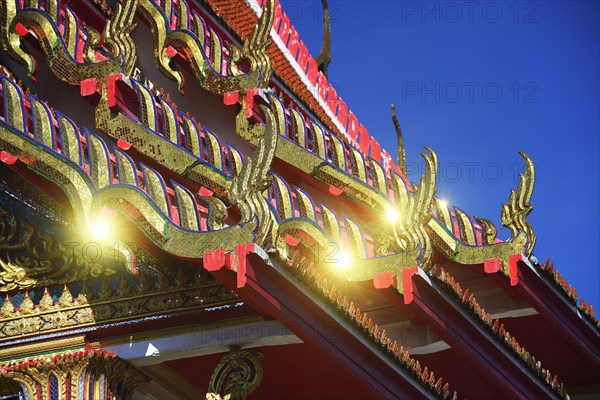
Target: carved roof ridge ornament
<point>249,185</point>
<point>117,31</point>
<point>401,150</point>
<point>181,40</point>
<point>515,211</point>
<point>513,216</point>
<point>255,45</point>
<point>324,58</point>
<point>415,212</point>
<point>59,46</point>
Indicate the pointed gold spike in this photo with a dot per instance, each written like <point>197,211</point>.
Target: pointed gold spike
<point>489,230</point>
<point>214,150</point>
<point>307,209</point>
<point>379,179</point>
<point>192,136</point>
<point>147,106</point>
<point>319,140</point>
<point>7,308</point>
<point>27,306</point>
<point>401,151</point>
<point>171,129</point>
<point>331,223</point>
<point>46,302</point>
<point>66,298</point>
<point>298,127</point>
<point>358,164</point>
<point>216,52</point>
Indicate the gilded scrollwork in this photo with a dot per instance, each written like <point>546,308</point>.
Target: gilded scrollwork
<point>30,257</point>
<point>236,376</point>
<point>108,303</point>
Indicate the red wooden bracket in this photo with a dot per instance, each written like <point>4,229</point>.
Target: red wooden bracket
<point>383,280</point>
<point>492,265</point>
<point>407,283</point>
<point>513,261</point>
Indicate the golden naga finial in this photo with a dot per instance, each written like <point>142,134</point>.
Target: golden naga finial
<point>59,45</point>
<point>409,230</point>
<point>324,59</point>
<point>518,207</point>
<point>254,178</point>
<point>9,39</point>
<point>116,34</point>
<point>255,45</point>
<point>401,152</point>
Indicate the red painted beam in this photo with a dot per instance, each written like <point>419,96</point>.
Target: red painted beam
<point>563,316</point>
<point>270,289</point>
<point>467,338</point>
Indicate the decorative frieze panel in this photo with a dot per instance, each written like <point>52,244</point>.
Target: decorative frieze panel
<point>108,300</point>
<point>85,374</point>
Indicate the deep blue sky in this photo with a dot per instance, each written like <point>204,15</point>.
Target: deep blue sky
<point>478,84</point>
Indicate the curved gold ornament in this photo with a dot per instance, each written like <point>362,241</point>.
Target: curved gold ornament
<point>255,46</point>
<point>117,31</point>
<point>14,277</point>
<point>414,212</point>
<point>515,211</point>
<point>236,376</point>
<point>249,185</point>
<point>183,41</point>
<point>142,134</point>
<point>59,49</point>
<point>466,254</point>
